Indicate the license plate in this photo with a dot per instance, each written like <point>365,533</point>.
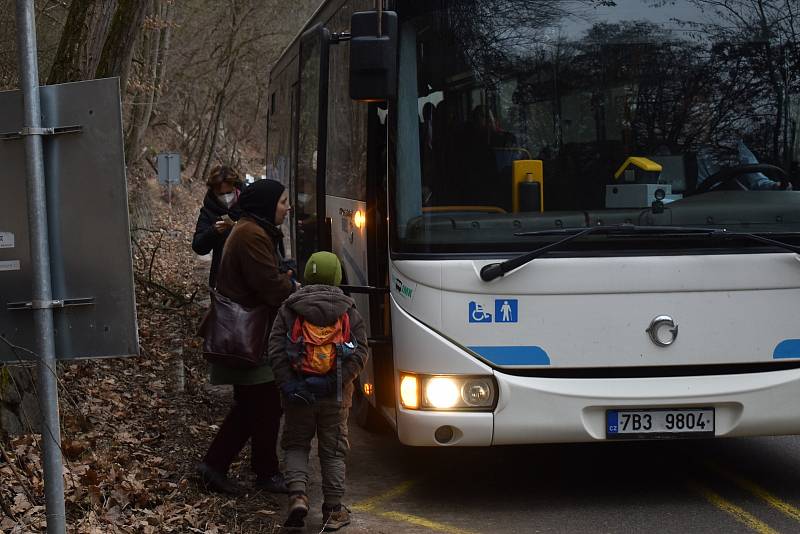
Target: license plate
<point>659,422</point>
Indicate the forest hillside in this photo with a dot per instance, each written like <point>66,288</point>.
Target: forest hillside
<point>194,81</point>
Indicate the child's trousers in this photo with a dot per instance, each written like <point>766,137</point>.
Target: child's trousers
<point>328,419</point>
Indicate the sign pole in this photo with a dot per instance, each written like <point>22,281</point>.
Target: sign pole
<point>40,260</point>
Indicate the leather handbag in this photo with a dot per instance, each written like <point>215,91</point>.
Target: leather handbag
<point>234,335</point>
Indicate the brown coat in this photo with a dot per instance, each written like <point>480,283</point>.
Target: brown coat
<point>249,274</point>
<point>249,269</point>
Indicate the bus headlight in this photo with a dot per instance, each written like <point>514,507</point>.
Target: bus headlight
<point>441,392</point>
<point>478,392</point>
<point>409,391</point>
<point>447,392</point>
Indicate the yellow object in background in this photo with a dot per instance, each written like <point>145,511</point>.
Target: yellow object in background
<point>526,170</point>
<point>646,165</point>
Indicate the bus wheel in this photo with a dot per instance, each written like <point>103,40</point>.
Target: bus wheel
<point>364,414</point>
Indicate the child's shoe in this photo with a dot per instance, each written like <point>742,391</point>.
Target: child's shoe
<point>335,517</point>
<point>298,510</point>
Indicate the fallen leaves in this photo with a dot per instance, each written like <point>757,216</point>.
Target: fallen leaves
<point>130,438</point>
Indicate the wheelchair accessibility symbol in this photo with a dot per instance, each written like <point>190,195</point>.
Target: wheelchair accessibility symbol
<point>505,311</point>
<point>477,314</point>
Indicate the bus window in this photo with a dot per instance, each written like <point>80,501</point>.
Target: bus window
<point>409,191</point>
<point>347,122</point>
<point>583,91</point>
<point>305,211</point>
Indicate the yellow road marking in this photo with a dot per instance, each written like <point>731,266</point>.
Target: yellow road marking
<point>747,485</point>
<point>728,507</point>
<point>371,503</point>
<point>422,522</point>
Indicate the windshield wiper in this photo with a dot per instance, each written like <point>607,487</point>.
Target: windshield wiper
<point>496,270</point>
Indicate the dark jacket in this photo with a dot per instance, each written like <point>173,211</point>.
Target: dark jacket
<point>249,275</point>
<point>206,239</point>
<point>320,305</point>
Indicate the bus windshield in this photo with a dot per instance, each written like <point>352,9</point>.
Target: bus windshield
<point>516,116</point>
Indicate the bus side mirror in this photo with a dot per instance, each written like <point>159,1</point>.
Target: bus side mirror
<point>373,57</point>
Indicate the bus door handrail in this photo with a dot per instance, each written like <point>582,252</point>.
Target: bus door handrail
<point>368,290</point>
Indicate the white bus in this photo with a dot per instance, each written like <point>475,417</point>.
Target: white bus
<point>566,221</point>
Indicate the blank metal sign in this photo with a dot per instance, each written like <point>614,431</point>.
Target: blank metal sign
<point>87,202</point>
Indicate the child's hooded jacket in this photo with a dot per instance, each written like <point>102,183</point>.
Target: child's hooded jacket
<point>320,305</point>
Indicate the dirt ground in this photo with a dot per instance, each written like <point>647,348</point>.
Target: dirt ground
<point>134,428</point>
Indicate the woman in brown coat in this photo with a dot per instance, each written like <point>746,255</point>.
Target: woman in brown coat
<point>250,274</point>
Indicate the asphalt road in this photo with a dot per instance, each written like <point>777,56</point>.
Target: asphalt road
<point>733,485</point>
<point>741,485</point>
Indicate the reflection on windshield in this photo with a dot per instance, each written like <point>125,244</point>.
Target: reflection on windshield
<point>640,111</point>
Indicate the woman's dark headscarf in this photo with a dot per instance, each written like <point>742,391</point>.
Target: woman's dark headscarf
<point>260,199</point>
<point>258,202</point>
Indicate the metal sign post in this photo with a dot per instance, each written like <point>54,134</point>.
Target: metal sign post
<point>91,266</point>
<point>169,171</point>
<point>42,303</point>
<point>83,157</point>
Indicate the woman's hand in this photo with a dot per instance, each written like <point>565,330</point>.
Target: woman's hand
<point>297,285</point>
<point>223,225</point>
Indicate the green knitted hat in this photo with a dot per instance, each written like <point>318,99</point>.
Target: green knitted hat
<point>323,268</point>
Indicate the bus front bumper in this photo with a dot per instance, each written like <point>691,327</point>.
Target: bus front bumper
<point>563,410</point>
<point>552,410</point>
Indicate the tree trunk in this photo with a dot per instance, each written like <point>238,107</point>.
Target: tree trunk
<point>81,40</point>
<point>203,144</point>
<point>100,22</point>
<point>126,26</point>
<point>214,139</point>
<point>155,47</point>
<point>210,137</point>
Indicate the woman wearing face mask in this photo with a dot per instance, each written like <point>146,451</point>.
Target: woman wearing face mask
<point>250,274</point>
<point>217,215</point>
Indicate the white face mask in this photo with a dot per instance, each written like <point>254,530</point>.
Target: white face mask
<point>227,199</point>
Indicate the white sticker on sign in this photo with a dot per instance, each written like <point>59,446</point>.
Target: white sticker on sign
<point>6,240</point>
<point>12,265</point>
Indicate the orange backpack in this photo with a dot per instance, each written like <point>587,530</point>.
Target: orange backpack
<point>315,350</point>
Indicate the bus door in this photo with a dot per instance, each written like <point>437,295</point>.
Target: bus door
<point>309,202</point>
<point>335,165</point>
<point>341,160</point>
<point>294,96</point>
<point>356,211</point>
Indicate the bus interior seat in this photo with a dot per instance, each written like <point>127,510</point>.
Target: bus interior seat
<point>504,158</point>
<point>675,171</point>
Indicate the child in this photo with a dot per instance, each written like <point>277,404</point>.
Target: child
<point>317,348</point>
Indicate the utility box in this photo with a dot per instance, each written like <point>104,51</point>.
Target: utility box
<point>87,213</point>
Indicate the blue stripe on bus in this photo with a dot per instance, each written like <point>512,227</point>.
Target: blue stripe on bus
<point>514,355</point>
<point>788,348</point>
